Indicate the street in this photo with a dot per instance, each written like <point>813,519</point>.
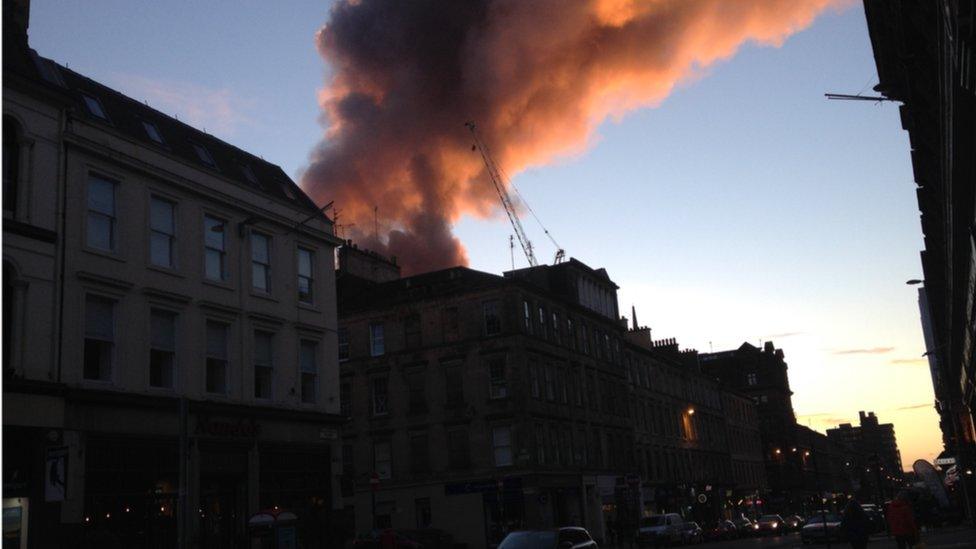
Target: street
<point>955,538</point>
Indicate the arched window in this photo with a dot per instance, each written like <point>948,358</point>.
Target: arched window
<point>11,162</point>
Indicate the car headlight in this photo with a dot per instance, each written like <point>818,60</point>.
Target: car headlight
<point>775,525</point>
<point>755,526</point>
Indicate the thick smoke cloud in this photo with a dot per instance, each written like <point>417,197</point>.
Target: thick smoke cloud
<point>537,76</point>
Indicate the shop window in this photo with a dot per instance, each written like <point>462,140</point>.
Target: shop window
<point>306,275</point>
<point>380,403</point>
<point>162,352</point>
<point>216,367</point>
<point>458,450</point>
<point>498,383</point>
<point>377,345</point>
<point>501,439</point>
<point>101,231</point>
<point>310,370</point>
<point>261,262</point>
<point>263,364</point>
<point>383,459</point>
<point>493,322</point>
<point>99,338</point>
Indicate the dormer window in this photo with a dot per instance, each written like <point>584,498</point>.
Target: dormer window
<point>94,107</point>
<point>249,174</point>
<point>204,155</point>
<point>153,132</point>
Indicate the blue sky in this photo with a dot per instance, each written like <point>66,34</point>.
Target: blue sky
<point>746,206</point>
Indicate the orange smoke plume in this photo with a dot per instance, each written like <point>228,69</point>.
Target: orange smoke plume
<point>537,76</point>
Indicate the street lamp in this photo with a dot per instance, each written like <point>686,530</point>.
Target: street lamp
<point>691,411</point>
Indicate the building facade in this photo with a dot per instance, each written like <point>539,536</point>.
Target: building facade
<point>923,53</point>
<point>874,454</point>
<point>483,403</point>
<point>170,357</point>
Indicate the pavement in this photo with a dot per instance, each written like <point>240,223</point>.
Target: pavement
<point>942,538</point>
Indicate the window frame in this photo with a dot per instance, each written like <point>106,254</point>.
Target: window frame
<point>173,366</point>
<point>310,277</point>
<point>379,407</point>
<point>112,217</point>
<point>495,447</point>
<point>93,104</point>
<point>266,272</point>
<point>226,358</point>
<point>171,237</point>
<point>497,385</point>
<point>106,376</point>
<point>313,372</point>
<point>491,317</point>
<point>257,364</point>
<point>221,252</point>
<point>152,131</point>
<point>204,155</point>
<point>377,345</point>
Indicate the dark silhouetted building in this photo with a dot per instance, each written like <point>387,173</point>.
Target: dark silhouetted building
<point>873,445</point>
<point>482,403</point>
<point>924,56</point>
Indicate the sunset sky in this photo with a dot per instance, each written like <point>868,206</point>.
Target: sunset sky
<point>741,206</point>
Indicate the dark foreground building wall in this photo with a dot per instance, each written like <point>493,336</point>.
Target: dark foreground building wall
<point>924,52</point>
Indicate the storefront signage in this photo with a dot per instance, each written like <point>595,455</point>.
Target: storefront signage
<point>945,461</point>
<point>243,428</point>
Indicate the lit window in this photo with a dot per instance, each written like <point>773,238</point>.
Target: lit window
<point>310,371</point>
<point>493,323</point>
<point>162,232</point>
<point>99,338</point>
<point>216,373</point>
<point>305,275</point>
<point>261,262</point>
<point>153,132</point>
<point>101,213</point>
<point>263,364</point>
<point>501,439</point>
<point>204,155</point>
<point>377,346</point>
<point>214,250</point>
<point>95,107</point>
<point>162,352</point>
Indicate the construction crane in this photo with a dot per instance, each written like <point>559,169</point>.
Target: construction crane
<point>498,180</point>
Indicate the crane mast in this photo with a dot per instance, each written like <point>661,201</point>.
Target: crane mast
<point>496,179</point>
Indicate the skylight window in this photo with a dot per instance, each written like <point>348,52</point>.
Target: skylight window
<point>204,155</point>
<point>95,107</point>
<point>153,132</point>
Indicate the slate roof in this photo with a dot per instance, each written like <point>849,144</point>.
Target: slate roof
<point>127,116</point>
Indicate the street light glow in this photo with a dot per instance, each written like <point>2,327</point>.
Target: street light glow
<point>691,411</point>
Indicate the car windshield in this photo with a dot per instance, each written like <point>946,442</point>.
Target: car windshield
<point>819,520</point>
<point>529,540</point>
<point>769,518</point>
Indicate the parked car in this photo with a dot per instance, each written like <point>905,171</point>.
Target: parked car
<point>659,529</point>
<point>794,522</point>
<point>814,532</point>
<point>723,529</point>
<point>690,533</point>
<point>557,538</point>
<point>745,527</point>
<point>770,525</point>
